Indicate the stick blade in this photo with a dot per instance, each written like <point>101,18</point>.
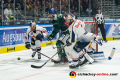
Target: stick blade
<point>33,66</point>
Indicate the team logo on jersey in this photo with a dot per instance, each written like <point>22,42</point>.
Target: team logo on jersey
<point>90,45</point>
<point>72,74</point>
<point>116,31</point>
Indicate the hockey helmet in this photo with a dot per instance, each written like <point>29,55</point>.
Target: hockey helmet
<point>71,16</point>
<point>32,23</point>
<point>52,11</point>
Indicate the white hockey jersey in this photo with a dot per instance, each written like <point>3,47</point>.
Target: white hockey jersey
<point>39,30</point>
<point>76,29</point>
<point>78,32</point>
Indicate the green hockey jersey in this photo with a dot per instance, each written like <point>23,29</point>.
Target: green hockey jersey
<point>59,23</point>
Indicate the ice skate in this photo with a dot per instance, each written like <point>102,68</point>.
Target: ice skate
<point>39,55</point>
<point>33,54</point>
<point>82,63</point>
<point>73,65</point>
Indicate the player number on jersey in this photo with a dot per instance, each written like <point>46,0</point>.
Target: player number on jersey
<point>78,24</point>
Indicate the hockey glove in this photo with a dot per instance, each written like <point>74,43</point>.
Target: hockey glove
<point>27,45</point>
<point>68,43</point>
<point>99,41</point>
<point>50,37</point>
<point>40,37</point>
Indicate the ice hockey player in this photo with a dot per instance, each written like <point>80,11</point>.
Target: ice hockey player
<point>83,38</point>
<point>59,24</point>
<point>37,34</point>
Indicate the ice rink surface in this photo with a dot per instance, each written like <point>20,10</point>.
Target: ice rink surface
<point>13,69</point>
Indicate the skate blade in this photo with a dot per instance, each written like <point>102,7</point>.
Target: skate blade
<point>84,64</point>
<point>74,68</point>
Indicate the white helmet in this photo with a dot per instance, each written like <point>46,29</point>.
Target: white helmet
<point>71,16</point>
<point>32,23</point>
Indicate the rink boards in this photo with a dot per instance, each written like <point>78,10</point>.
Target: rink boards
<point>112,31</point>
<point>12,37</point>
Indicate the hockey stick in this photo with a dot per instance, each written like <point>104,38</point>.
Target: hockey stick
<point>34,66</point>
<point>52,45</point>
<point>47,56</point>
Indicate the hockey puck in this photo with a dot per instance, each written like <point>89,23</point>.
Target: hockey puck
<point>18,58</point>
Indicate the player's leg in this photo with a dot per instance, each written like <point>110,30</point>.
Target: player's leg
<point>81,43</point>
<point>60,42</point>
<point>75,59</point>
<point>78,59</point>
<point>77,53</point>
<point>33,47</point>
<point>82,59</point>
<point>61,54</point>
<point>68,50</point>
<point>38,48</point>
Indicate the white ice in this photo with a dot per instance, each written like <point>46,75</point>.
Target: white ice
<point>13,69</point>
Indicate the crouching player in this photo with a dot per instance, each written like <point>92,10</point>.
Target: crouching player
<point>37,34</point>
<point>83,38</point>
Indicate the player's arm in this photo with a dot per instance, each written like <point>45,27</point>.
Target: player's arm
<point>43,30</point>
<point>42,33</point>
<point>97,39</point>
<point>26,38</point>
<point>55,31</point>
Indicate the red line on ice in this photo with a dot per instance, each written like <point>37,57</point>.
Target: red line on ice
<point>40,73</point>
<point>45,72</point>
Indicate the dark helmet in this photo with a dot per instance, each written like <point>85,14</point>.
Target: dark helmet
<point>52,11</point>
